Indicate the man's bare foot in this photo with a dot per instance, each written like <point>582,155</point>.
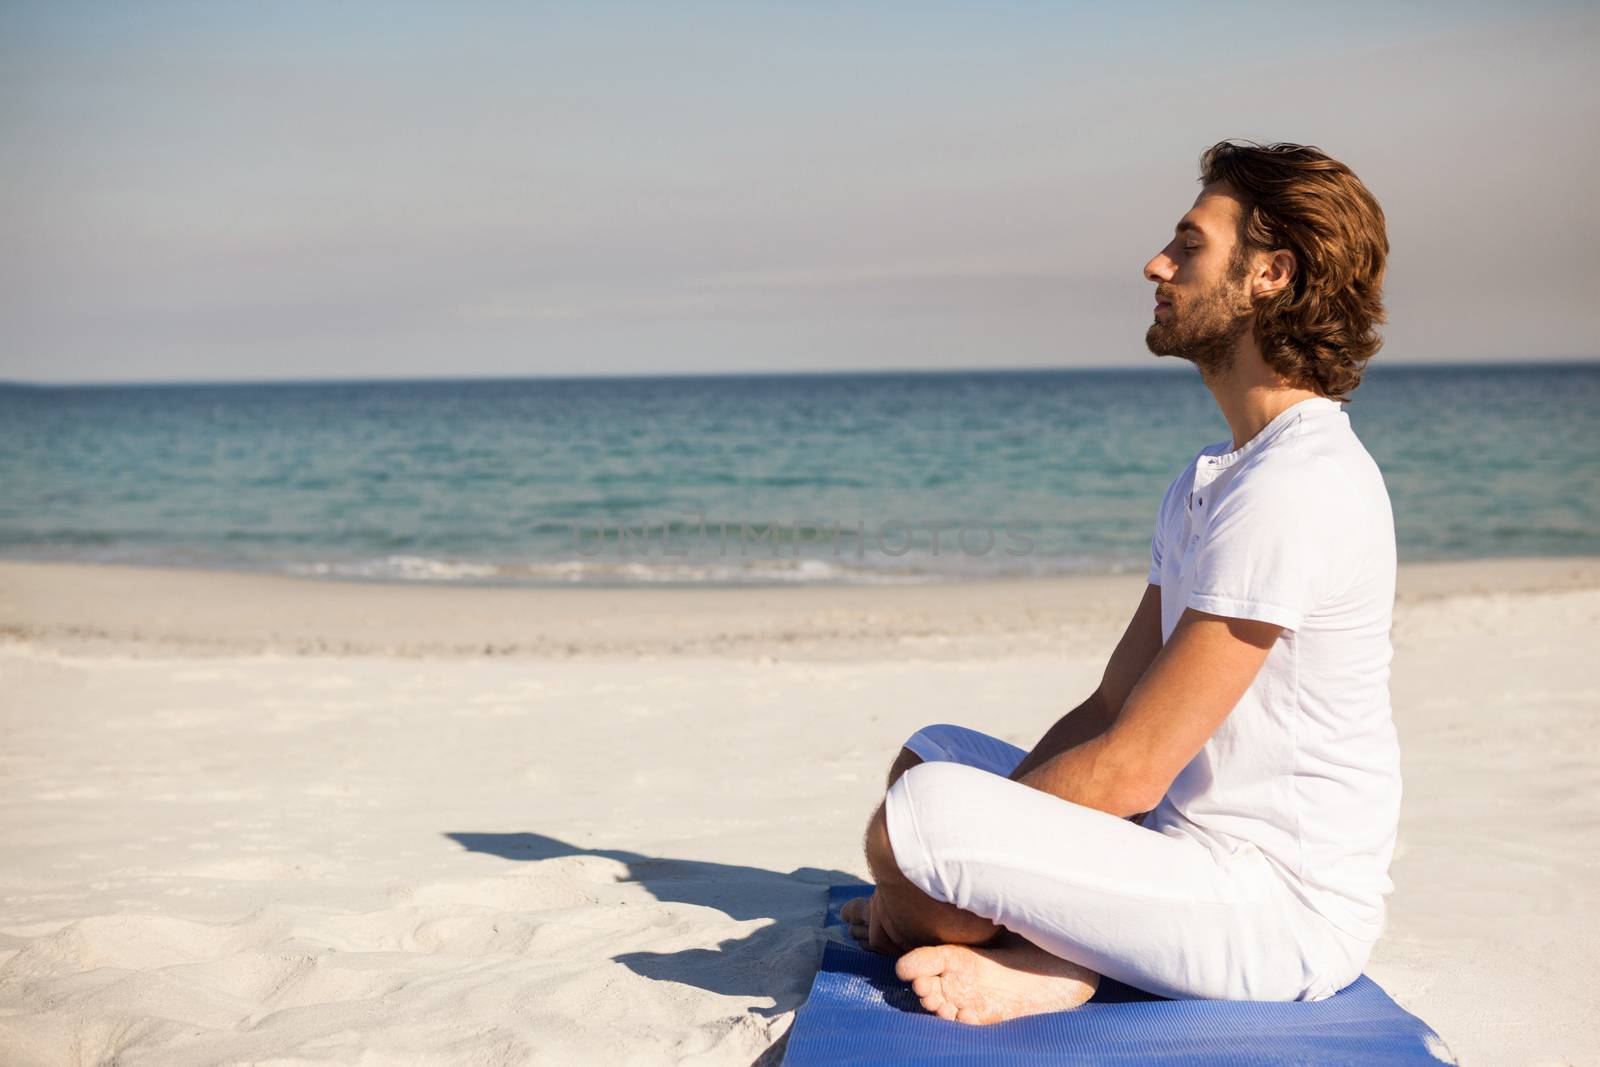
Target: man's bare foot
<point>857,911</point>
<point>869,926</point>
<point>1006,980</point>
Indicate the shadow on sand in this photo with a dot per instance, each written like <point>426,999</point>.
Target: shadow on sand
<point>777,961</point>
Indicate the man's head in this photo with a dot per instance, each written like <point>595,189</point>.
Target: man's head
<point>1282,254</point>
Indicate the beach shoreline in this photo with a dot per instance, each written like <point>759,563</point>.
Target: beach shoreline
<point>164,611</point>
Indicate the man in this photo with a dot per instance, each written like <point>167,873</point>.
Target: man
<point>1217,818</point>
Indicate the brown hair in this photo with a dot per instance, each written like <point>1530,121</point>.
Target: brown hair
<point>1319,331</point>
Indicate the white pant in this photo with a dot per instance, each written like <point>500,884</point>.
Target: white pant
<point>1155,910</point>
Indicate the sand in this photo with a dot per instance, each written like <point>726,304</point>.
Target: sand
<point>256,819</point>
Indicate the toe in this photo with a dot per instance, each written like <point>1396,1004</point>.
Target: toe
<point>920,962</point>
<point>968,1016</point>
<point>929,989</point>
<point>947,1011</point>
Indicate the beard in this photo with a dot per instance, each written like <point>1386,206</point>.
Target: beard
<point>1207,330</point>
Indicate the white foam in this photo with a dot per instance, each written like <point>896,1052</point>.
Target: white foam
<point>407,568</point>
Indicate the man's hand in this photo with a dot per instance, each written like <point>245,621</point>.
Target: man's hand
<point>869,924</point>
<point>1190,688</point>
<point>1140,644</point>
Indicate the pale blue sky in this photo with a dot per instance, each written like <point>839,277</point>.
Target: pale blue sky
<point>283,190</point>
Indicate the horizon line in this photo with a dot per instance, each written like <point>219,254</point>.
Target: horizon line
<point>886,372</point>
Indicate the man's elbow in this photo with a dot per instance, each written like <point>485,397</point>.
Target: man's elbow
<point>1131,800</point>
<point>1139,789</point>
<point>1103,773</point>
<point>1133,780</point>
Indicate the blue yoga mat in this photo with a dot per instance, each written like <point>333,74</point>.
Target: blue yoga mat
<point>860,1012</point>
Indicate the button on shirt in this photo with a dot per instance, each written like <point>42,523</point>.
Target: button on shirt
<point>1293,528</point>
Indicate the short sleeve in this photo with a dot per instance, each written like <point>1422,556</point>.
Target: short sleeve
<point>1275,544</point>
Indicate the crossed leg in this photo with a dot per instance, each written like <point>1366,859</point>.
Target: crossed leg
<point>899,916</point>
<point>962,966</point>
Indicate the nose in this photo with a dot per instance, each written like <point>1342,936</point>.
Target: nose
<point>1159,269</point>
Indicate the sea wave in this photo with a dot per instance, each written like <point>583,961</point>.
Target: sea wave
<point>597,572</point>
<point>403,568</point>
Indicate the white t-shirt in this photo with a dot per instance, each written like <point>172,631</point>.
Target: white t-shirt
<point>1295,528</point>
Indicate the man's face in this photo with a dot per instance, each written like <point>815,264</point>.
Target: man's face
<point>1202,305</point>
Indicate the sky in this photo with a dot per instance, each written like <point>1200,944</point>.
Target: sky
<point>230,191</point>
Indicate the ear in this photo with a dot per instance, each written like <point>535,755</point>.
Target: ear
<point>1273,271</point>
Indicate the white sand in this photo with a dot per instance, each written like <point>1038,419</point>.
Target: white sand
<point>246,819</point>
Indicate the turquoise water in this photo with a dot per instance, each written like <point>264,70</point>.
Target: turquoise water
<point>814,478</point>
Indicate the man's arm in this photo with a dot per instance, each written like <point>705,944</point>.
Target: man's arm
<point>1191,687</point>
<point>1133,656</point>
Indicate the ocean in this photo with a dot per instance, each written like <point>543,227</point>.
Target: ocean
<point>771,479</point>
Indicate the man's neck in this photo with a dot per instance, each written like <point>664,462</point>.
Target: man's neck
<point>1253,395</point>
<point>1248,415</point>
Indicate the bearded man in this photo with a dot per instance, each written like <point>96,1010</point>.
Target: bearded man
<point>1217,819</point>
